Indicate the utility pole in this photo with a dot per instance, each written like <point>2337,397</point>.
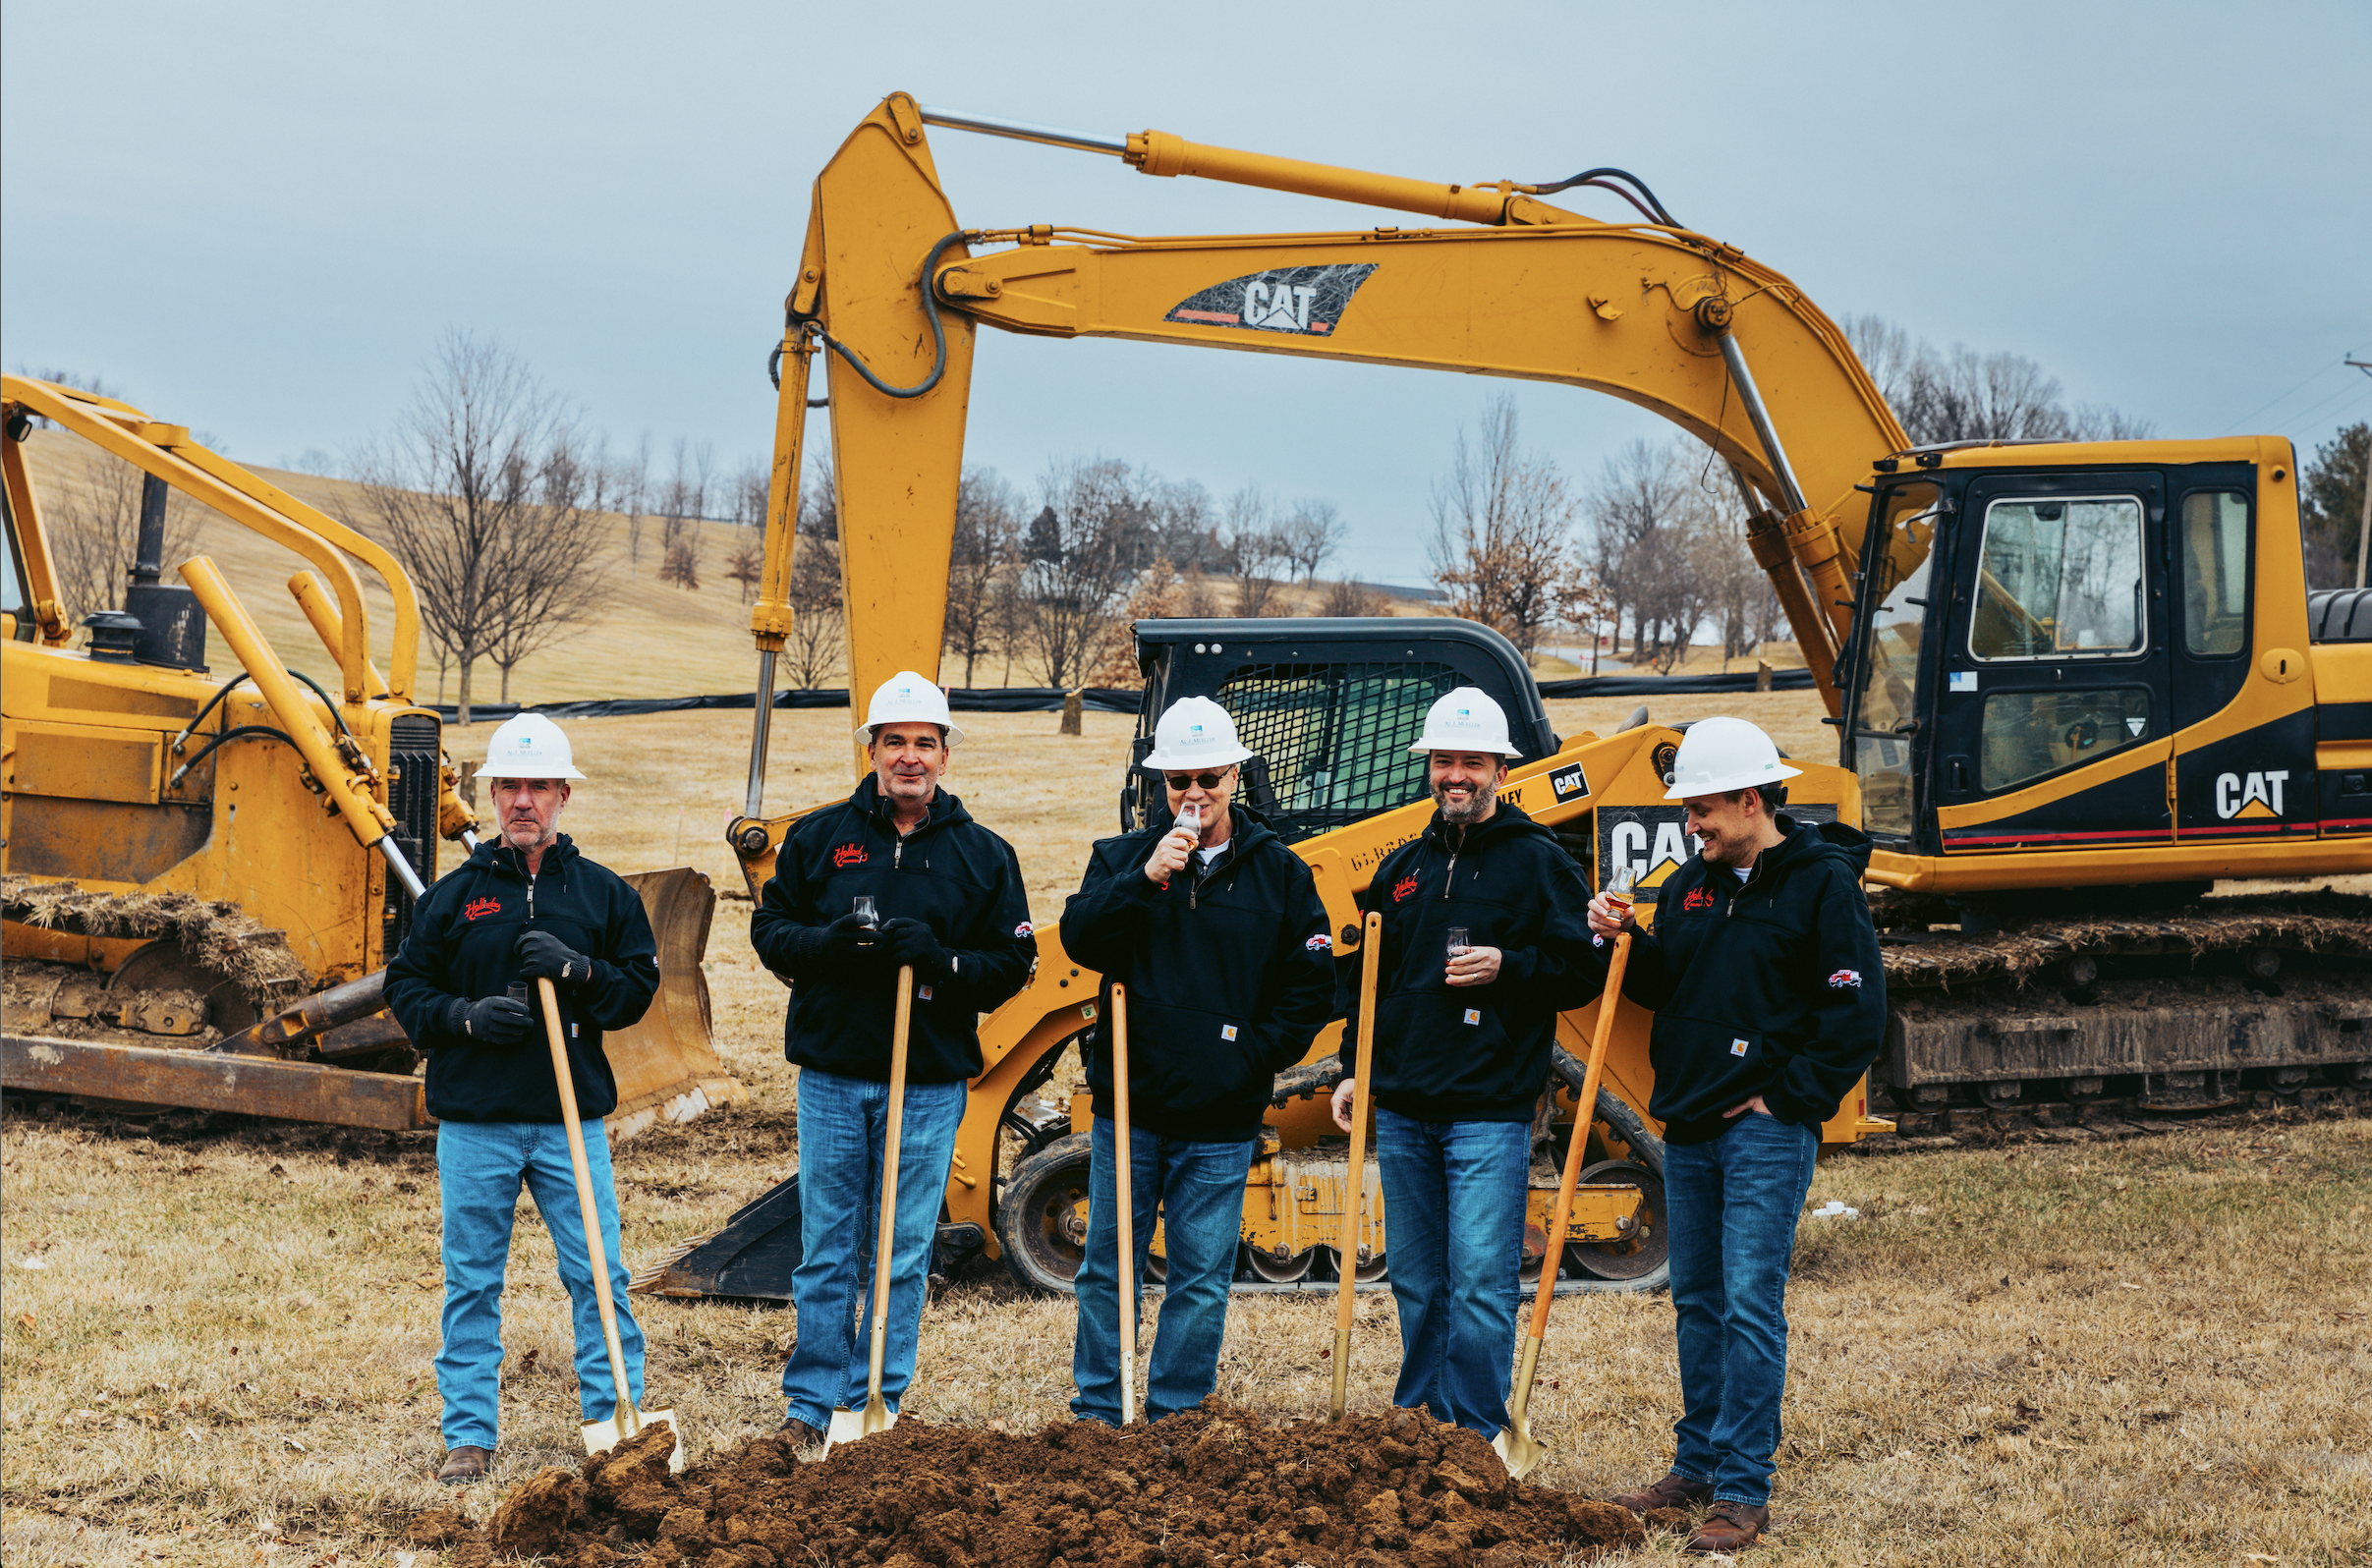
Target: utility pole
<point>2363,532</point>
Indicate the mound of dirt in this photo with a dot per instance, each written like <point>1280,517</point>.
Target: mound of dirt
<point>1206,1486</point>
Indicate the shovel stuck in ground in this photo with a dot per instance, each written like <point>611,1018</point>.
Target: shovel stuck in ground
<point>848,1426</point>
<point>1515,1445</point>
<point>600,1436</point>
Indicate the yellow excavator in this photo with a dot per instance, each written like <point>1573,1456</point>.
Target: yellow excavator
<point>2074,683</point>
<point>203,875</point>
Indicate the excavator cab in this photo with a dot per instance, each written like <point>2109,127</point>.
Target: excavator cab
<point>2085,656</point>
<point>1328,707</point>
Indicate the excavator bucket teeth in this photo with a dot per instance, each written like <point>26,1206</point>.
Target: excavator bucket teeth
<point>749,1258</point>
<point>667,1067</point>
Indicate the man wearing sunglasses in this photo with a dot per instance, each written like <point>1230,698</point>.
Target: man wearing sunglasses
<point>1217,930</point>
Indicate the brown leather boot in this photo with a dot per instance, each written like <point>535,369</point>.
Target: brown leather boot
<point>465,1465</point>
<point>1730,1526</point>
<point>800,1432</point>
<point>1675,1491</point>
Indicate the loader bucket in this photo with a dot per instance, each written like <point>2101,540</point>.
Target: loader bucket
<point>749,1258</point>
<point>666,1065</point>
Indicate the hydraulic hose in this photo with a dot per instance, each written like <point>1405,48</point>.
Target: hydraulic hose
<point>1606,180</point>
<point>218,742</point>
<point>938,335</point>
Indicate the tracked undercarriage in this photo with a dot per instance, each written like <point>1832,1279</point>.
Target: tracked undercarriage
<point>2213,1003</point>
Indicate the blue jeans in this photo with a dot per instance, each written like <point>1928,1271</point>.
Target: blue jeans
<point>1731,1206</point>
<point>1197,1191</point>
<point>480,1169</point>
<point>1454,1202</point>
<point>843,1129</point>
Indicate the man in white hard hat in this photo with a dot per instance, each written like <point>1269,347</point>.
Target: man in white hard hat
<point>1484,942</point>
<point>945,895</point>
<point>526,904</point>
<point>1215,927</point>
<point>1763,972</point>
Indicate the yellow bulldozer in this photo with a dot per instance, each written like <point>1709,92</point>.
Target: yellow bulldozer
<point>204,874</point>
<point>2074,683</point>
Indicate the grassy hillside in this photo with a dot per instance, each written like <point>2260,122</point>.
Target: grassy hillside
<point>651,639</point>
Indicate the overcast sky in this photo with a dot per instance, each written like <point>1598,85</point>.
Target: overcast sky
<point>258,219</point>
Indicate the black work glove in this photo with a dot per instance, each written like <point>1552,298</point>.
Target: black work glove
<point>846,940</point>
<point>544,956</point>
<point>909,942</point>
<point>490,1021</point>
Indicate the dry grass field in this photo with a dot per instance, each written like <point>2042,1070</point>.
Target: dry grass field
<point>217,1337</point>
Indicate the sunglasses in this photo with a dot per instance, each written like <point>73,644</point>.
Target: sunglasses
<point>1187,781</point>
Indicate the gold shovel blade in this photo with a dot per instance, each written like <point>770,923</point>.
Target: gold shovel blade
<point>600,1436</point>
<point>847,1426</point>
<point>1518,1451</point>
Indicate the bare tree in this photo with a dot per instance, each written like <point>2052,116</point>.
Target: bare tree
<point>1502,543</point>
<point>747,568</point>
<point>682,565</point>
<point>546,577</point>
<point>632,486</point>
<point>1961,395</point>
<point>1258,554</point>
<point>1154,597</point>
<point>1310,534</point>
<point>1078,558</point>
<point>985,525</point>
<point>464,469</point>
<point>812,650</point>
<point>94,532</point>
<point>1347,598</point>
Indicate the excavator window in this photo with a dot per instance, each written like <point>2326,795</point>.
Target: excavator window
<point>2215,571</point>
<point>1886,700</point>
<point>2059,578</point>
<point>2028,734</point>
<point>13,598</point>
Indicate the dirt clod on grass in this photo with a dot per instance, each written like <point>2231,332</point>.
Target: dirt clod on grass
<point>1211,1485</point>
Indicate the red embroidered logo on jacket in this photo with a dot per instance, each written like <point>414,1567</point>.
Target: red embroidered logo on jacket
<point>481,906</point>
<point>1698,898</point>
<point>1404,889</point>
<point>848,855</point>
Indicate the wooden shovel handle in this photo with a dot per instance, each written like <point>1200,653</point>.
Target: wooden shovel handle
<point>890,1179</point>
<point>1371,963</point>
<point>1560,1219</point>
<point>596,1254</point>
<point>1124,1193</point>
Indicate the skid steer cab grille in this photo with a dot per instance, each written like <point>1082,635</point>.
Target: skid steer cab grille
<point>1334,738</point>
<point>414,751</point>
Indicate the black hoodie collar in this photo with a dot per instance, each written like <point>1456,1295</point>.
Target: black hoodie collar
<point>1508,821</point>
<point>944,808</point>
<point>496,855</point>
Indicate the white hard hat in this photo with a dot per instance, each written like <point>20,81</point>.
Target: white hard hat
<point>530,745</point>
<point>1720,754</point>
<point>908,698</point>
<point>1195,733</point>
<point>1466,721</point>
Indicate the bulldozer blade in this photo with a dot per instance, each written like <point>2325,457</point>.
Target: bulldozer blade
<point>751,1257</point>
<point>666,1065</point>
<point>253,1085</point>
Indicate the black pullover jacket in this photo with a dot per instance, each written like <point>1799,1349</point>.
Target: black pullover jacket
<point>1474,1053</point>
<point>951,874</point>
<point>463,944</point>
<point>1772,988</point>
<point>1229,975</point>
